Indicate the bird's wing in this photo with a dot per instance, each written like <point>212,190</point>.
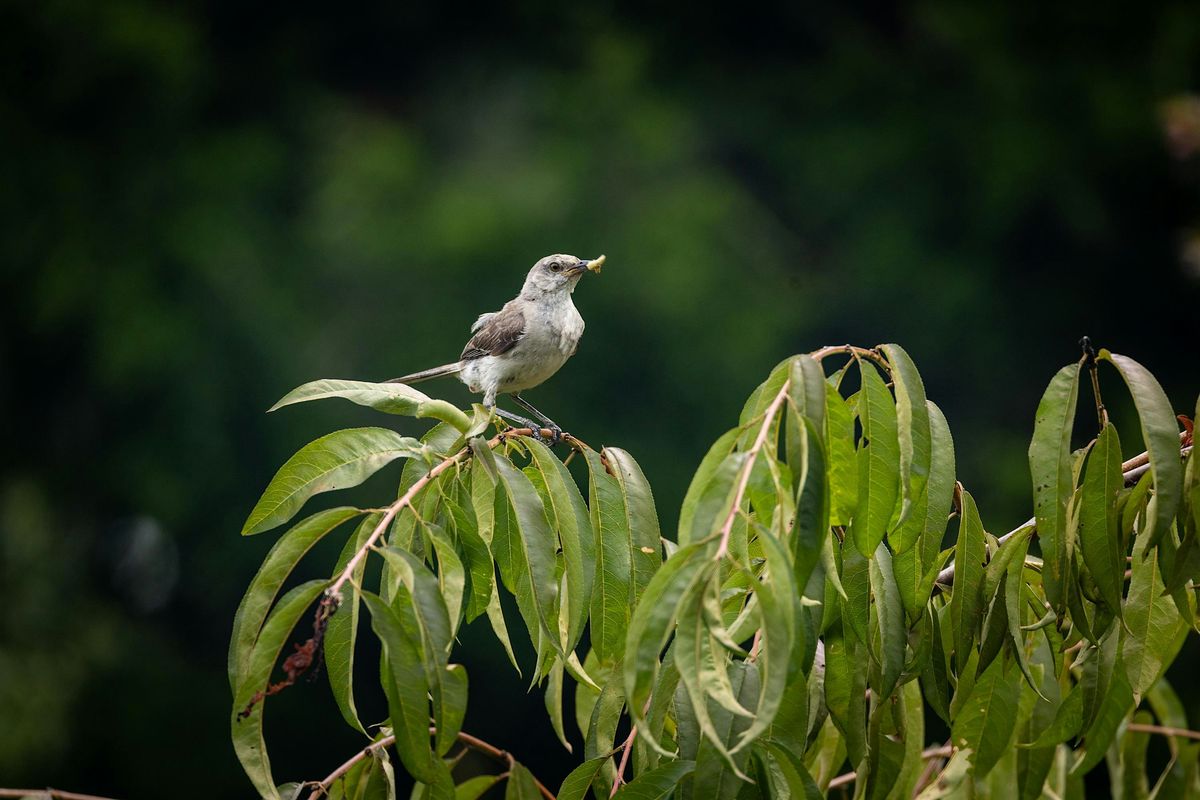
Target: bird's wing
<point>495,333</point>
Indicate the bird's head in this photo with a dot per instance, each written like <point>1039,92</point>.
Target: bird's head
<point>559,273</point>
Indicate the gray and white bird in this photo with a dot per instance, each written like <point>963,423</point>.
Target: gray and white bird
<point>525,342</point>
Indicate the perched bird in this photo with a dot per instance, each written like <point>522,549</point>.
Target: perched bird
<point>525,342</point>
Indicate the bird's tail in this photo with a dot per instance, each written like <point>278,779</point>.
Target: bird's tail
<point>424,375</point>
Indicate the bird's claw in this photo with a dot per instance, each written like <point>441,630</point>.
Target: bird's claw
<point>549,435</point>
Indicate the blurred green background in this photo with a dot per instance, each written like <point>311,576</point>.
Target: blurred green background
<point>206,204</point>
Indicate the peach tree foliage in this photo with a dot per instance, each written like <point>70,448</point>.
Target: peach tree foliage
<point>803,631</point>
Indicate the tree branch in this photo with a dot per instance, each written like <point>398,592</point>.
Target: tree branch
<point>322,788</point>
<point>941,751</point>
<point>1131,471</point>
<point>748,467</point>
<point>628,748</point>
<point>1163,731</point>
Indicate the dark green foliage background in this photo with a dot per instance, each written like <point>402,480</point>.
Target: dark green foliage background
<point>205,205</point>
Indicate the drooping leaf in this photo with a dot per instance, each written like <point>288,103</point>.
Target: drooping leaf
<point>843,468</point>
<point>1161,434</point>
<point>610,597</point>
<point>341,631</point>
<point>720,773</point>
<point>1115,705</point>
<point>966,599</point>
<point>645,540</point>
<point>709,465</point>
<point>1050,467</point>
<point>475,788</point>
<point>247,728</point>
<point>391,398</point>
<point>1099,537</point>
<point>575,786</point>
<point>521,785</point>
<point>987,720</point>
<point>571,523</point>
<point>916,551</point>
<point>652,621</point>
<point>1153,628</point>
<point>878,463</point>
<point>889,615</point>
<point>451,575</point>
<point>337,461</point>
<point>913,428</point>
<point>657,783</point>
<point>536,544</point>
<point>845,686</point>
<point>276,567</point>
<point>407,691</point>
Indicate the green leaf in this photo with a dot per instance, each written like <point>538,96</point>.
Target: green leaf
<point>719,773</point>
<point>569,514</point>
<point>554,703</point>
<point>521,785</point>
<point>845,686</point>
<point>1115,705</point>
<point>776,597</point>
<point>652,622</point>
<point>451,575</point>
<point>341,632</point>
<point>713,459</point>
<point>1153,628</point>
<point>407,690</point>
<point>474,788</point>
<point>1099,537</point>
<point>988,719</point>
<point>424,615</point>
<point>575,786</point>
<point>843,469</point>
<point>657,783</point>
<point>390,398</point>
<point>890,616</point>
<point>878,459</point>
<point>337,461</point>
<point>811,527</point>
<point>610,597</point>
<point>248,742</point>
<point>537,546</point>
<point>1160,431</point>
<point>913,429</point>
<point>916,552</point>
<point>1050,467</point>
<point>966,598</point>
<point>476,554</point>
<point>783,775</point>
<point>276,567</point>
<point>856,577</point>
<point>645,540</point>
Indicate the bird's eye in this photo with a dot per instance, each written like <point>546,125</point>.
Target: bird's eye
<point>556,267</point>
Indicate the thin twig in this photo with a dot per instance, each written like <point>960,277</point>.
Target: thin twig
<point>322,788</point>
<point>406,500</point>
<point>54,794</point>
<point>1163,730</point>
<point>628,748</point>
<point>748,467</point>
<point>940,751</point>
<point>1131,470</point>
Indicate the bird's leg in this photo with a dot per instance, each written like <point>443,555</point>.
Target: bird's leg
<point>549,423</point>
<point>525,422</point>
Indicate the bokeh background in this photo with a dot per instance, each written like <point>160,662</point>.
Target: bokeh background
<point>206,204</point>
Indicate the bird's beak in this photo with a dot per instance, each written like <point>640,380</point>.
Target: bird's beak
<point>593,266</point>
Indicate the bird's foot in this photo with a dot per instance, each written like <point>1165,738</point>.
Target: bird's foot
<point>549,435</point>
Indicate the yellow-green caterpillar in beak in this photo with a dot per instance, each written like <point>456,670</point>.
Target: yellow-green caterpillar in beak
<point>595,264</point>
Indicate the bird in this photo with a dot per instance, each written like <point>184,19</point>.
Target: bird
<point>525,342</point>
